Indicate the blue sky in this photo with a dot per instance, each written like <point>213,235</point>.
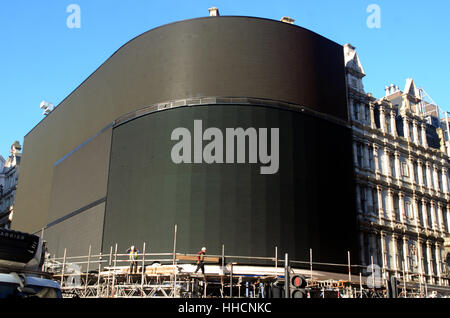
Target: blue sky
<point>41,58</point>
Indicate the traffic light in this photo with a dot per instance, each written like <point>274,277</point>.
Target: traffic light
<point>297,286</point>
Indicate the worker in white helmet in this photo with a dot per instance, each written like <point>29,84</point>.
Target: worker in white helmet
<point>133,253</point>
<point>200,260</point>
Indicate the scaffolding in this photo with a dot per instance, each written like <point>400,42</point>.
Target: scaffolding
<point>172,275</point>
<point>436,111</point>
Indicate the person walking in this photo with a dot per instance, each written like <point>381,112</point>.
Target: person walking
<point>201,260</point>
<point>133,253</point>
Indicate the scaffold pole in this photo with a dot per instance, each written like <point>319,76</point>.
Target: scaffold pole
<point>174,260</point>
<point>87,270</point>
<point>349,267</point>
<point>63,267</point>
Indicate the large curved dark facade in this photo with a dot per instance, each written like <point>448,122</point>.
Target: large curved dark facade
<point>98,170</point>
<point>306,204</point>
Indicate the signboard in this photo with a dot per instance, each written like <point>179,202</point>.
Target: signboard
<point>17,246</point>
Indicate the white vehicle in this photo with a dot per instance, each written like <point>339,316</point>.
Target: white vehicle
<point>21,259</point>
<point>24,286</point>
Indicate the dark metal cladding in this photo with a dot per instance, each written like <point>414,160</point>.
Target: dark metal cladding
<point>213,56</point>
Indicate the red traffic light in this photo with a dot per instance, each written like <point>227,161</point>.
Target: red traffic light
<point>298,281</point>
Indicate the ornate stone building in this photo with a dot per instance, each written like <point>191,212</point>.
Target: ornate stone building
<point>402,166</point>
<point>9,172</point>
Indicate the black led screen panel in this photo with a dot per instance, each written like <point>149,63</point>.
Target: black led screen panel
<point>308,203</point>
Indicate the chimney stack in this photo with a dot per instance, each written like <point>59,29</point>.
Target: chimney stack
<point>391,89</point>
<point>214,12</point>
<point>287,20</point>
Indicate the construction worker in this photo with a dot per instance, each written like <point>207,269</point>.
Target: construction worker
<point>200,260</point>
<point>133,252</point>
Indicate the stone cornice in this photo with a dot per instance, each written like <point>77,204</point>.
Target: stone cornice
<point>413,190</point>
<point>376,136</point>
<point>424,235</point>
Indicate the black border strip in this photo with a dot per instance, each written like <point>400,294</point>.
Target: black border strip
<point>80,210</point>
<point>83,144</point>
<point>224,100</point>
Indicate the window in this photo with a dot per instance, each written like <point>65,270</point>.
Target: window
<point>409,211</point>
<point>392,164</point>
<point>363,199</point>
<point>356,111</point>
<point>386,204</point>
<point>400,257</point>
<point>389,251</point>
<point>444,215</point>
<point>424,174</point>
<point>367,114</point>
<point>371,164</point>
<point>433,259</point>
<point>445,260</point>
<point>367,249</point>
<point>388,125</point>
<point>421,216</point>
<point>359,152</point>
<point>430,223</point>
<point>405,169</point>
<point>425,258</point>
<point>379,258</point>
<point>380,156</point>
<point>443,176</point>
<point>416,173</point>
<point>433,179</point>
<point>396,208</point>
<point>375,200</point>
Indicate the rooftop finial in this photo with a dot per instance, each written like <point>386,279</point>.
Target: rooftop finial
<point>287,20</point>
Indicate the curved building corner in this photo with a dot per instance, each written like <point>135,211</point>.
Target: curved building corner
<point>98,170</point>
